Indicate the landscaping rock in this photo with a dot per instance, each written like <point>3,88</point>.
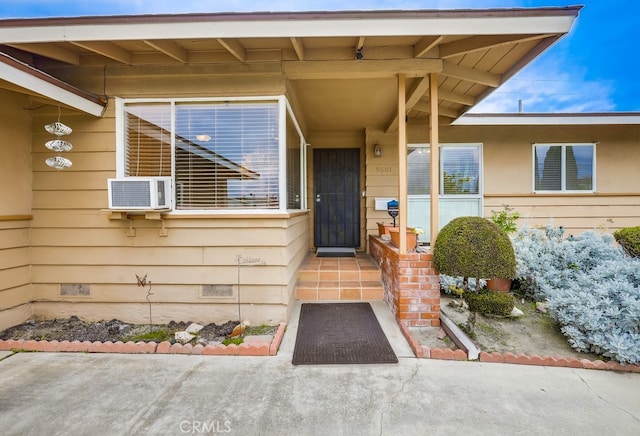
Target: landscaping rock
<point>542,306</point>
<point>515,313</point>
<point>194,328</point>
<point>184,337</point>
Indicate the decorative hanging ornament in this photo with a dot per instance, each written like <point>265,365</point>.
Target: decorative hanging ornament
<point>58,129</point>
<point>59,162</point>
<point>58,145</point>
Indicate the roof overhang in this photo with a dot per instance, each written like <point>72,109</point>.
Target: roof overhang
<point>340,66</point>
<point>291,24</point>
<point>549,119</point>
<point>38,82</point>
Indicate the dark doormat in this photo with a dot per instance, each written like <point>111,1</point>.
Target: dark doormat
<point>333,333</point>
<point>335,252</point>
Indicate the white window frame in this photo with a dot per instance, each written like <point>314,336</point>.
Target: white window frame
<point>563,168</point>
<point>478,145</point>
<point>284,108</point>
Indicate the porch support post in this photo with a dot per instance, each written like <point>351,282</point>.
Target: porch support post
<point>402,161</point>
<point>435,156</point>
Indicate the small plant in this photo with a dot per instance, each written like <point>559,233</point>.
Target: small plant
<point>489,302</point>
<point>157,336</point>
<point>629,239</point>
<point>506,219</point>
<point>236,340</point>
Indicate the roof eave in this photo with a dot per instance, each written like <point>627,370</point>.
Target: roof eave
<point>273,25</point>
<point>25,76</point>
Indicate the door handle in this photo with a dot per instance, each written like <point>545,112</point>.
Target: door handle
<point>317,198</point>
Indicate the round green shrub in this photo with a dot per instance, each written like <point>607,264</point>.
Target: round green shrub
<point>489,302</point>
<point>475,247</point>
<point>629,239</point>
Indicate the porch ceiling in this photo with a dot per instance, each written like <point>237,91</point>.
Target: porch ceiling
<point>341,66</point>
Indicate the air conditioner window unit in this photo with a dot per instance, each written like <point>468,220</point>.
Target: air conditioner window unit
<point>140,193</point>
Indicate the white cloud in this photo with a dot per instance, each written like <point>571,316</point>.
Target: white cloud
<point>550,87</point>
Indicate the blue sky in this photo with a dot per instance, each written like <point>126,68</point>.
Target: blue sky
<point>592,69</point>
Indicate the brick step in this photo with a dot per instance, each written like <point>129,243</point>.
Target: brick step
<point>368,290</point>
<point>339,279</point>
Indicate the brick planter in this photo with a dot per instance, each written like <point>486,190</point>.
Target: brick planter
<point>411,284</point>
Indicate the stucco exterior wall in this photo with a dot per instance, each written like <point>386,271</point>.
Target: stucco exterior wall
<point>15,209</point>
<point>508,173</point>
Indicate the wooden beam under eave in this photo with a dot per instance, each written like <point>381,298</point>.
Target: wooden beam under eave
<point>298,47</point>
<point>50,51</point>
<point>414,97</point>
<point>434,140</point>
<point>402,163</point>
<point>425,106</point>
<point>360,69</point>
<point>106,49</point>
<point>471,74</point>
<point>235,48</point>
<point>425,45</point>
<point>484,42</point>
<point>456,97</point>
<point>170,48</point>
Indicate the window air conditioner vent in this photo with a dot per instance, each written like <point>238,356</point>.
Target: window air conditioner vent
<point>140,193</point>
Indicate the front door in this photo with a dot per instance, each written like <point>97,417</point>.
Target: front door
<point>337,197</point>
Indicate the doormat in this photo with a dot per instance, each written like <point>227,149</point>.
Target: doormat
<point>335,252</point>
<point>333,333</point>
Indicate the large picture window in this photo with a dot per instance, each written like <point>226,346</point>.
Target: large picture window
<point>564,167</point>
<point>221,154</point>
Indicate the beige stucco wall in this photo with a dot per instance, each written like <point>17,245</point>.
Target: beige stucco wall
<point>15,209</point>
<point>508,179</point>
<point>76,241</point>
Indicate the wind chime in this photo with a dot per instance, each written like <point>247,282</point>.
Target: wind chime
<point>58,145</point>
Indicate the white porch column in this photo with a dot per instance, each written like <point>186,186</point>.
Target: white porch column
<point>402,161</point>
<point>435,156</point>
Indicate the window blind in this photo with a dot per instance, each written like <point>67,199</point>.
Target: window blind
<point>226,155</point>
<point>148,140</point>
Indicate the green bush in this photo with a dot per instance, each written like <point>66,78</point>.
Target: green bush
<point>489,302</point>
<point>474,247</point>
<point>629,239</point>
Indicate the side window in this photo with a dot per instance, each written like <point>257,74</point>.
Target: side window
<point>564,167</point>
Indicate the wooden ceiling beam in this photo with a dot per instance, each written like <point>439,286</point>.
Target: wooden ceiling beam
<point>471,75</point>
<point>456,97</point>
<point>234,47</point>
<point>482,42</point>
<point>361,69</point>
<point>424,106</point>
<point>425,44</point>
<point>50,51</point>
<point>298,47</point>
<point>170,48</point>
<point>416,93</point>
<point>106,49</point>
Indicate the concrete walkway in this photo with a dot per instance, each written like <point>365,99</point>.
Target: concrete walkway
<point>111,394</point>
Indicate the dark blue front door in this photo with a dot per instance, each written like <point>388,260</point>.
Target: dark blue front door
<point>337,197</point>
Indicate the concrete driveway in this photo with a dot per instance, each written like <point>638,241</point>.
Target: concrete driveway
<point>110,394</point>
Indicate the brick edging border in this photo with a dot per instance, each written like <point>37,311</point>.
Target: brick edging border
<point>424,352</point>
<point>244,349</point>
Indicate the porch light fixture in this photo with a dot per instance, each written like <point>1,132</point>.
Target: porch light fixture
<point>58,145</point>
<point>377,151</point>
